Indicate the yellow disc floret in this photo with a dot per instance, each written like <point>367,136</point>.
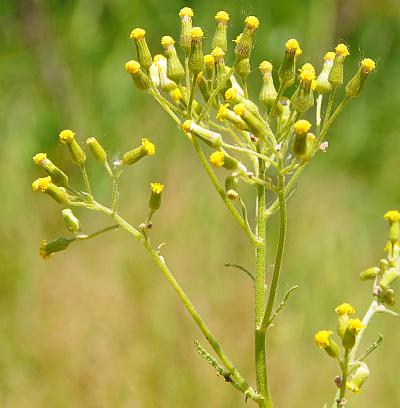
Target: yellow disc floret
<point>330,55</point>
<point>209,60</point>
<point>222,112</point>
<point>355,325</point>
<point>265,67</point>
<point>322,338</point>
<point>157,188</point>
<point>292,46</point>
<point>307,75</point>
<point>342,50</point>
<point>186,12</point>
<point>392,215</point>
<point>197,33</point>
<point>345,309</point>
<point>302,126</point>
<point>237,39</point>
<point>149,147</point>
<point>176,95</point>
<point>217,158</point>
<point>252,22</point>
<point>307,67</point>
<point>41,184</point>
<point>222,17</point>
<point>39,158</point>
<point>132,67</point>
<point>167,41</point>
<point>137,33</point>
<point>239,109</point>
<point>66,136</point>
<point>230,94</point>
<point>218,53</point>
<point>368,65</point>
<point>186,125</point>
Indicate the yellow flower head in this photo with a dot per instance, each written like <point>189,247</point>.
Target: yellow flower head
<point>167,41</point>
<point>137,33</point>
<point>330,55</point>
<point>302,126</point>
<point>345,309</point>
<point>149,147</point>
<point>177,95</point>
<point>252,22</point>
<point>292,46</point>
<point>66,136</point>
<point>209,60</point>
<point>132,67</point>
<point>307,67</point>
<point>218,53</point>
<point>307,75</point>
<point>353,387</point>
<point>239,109</point>
<point>355,325</point>
<point>392,216</point>
<point>368,65</point>
<point>222,17</point>
<point>39,158</point>
<point>41,184</point>
<point>342,50</point>
<point>265,67</point>
<point>237,39</point>
<point>222,112</point>
<point>186,125</point>
<point>322,338</point>
<point>217,158</point>
<point>230,94</point>
<point>157,188</point>
<point>197,33</point>
<point>186,12</point>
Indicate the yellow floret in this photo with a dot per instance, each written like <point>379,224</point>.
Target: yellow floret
<point>239,109</point>
<point>368,65</point>
<point>197,33</point>
<point>167,40</point>
<point>217,158</point>
<point>392,215</point>
<point>39,158</point>
<point>345,309</point>
<point>307,75</point>
<point>176,95</point>
<point>138,33</point>
<point>230,94</point>
<point>157,188</point>
<point>222,112</point>
<point>66,136</point>
<point>330,55</point>
<point>355,325</point>
<point>237,39</point>
<point>322,338</point>
<point>302,126</point>
<point>218,53</point>
<point>252,22</point>
<point>186,126</point>
<point>307,67</point>
<point>41,184</point>
<point>132,67</point>
<point>292,46</point>
<point>209,59</point>
<point>222,16</point>
<point>342,50</point>
<point>149,147</point>
<point>186,12</point>
<point>265,67</point>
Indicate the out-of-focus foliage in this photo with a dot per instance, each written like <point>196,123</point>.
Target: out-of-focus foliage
<point>97,326</point>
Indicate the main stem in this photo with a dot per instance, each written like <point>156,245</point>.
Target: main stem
<point>260,255</point>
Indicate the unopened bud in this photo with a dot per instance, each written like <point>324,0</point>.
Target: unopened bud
<point>244,44</point>
<point>140,79</point>
<point>155,196</point>
<point>175,70</point>
<point>354,327</point>
<point>256,126</point>
<point>322,83</point>
<point>185,39</point>
<point>211,138</point>
<point>166,84</point>
<point>146,149</point>
<point>336,74</point>
<point>45,185</point>
<point>143,53</point>
<point>78,155</point>
<point>196,59</point>
<point>48,248</point>
<point>220,40</point>
<point>393,218</point>
<point>221,159</point>
<point>287,70</point>
<point>231,184</point>
<point>369,273</point>
<point>71,222</point>
<point>354,86</point>
<point>97,149</point>
<point>358,378</point>
<point>388,278</point>
<point>58,176</point>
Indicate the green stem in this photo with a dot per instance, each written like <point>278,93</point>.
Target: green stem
<point>329,106</point>
<point>345,372</point>
<point>86,179</point>
<point>250,152</point>
<point>189,110</point>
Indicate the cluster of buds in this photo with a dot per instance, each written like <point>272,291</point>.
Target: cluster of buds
<point>201,86</point>
<point>56,184</point>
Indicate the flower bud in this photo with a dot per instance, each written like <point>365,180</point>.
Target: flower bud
<point>220,40</point>
<point>146,149</point>
<point>323,341</point>
<point>140,79</point>
<point>344,311</point>
<point>301,128</point>
<point>287,70</point>
<point>311,140</point>
<point>369,273</point>
<point>175,70</point>
<point>143,53</point>
<point>209,63</point>
<point>78,155</point>
<point>97,150</point>
<point>354,326</point>
<point>336,74</point>
<point>322,83</point>
<point>71,222</point>
<point>167,85</point>
<point>185,39</point>
<point>268,92</point>
<point>388,278</point>
<point>244,44</point>
<point>243,69</point>
<point>49,248</point>
<point>393,218</point>
<point>196,59</point>
<point>45,185</point>
<point>221,159</point>
<point>220,69</point>
<point>226,114</point>
<point>358,378</point>
<point>211,138</point>
<point>154,75</point>
<point>232,96</point>
<point>303,97</point>
<point>176,95</point>
<point>58,176</point>
<point>354,86</point>
<point>155,196</point>
<point>231,184</point>
<point>256,126</point>
<point>387,297</point>
<point>202,84</point>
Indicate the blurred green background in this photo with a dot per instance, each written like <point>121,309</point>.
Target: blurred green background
<point>97,326</point>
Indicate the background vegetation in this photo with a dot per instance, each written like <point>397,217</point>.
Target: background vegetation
<point>97,326</point>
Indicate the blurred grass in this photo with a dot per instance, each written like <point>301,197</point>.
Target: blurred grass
<point>97,326</point>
